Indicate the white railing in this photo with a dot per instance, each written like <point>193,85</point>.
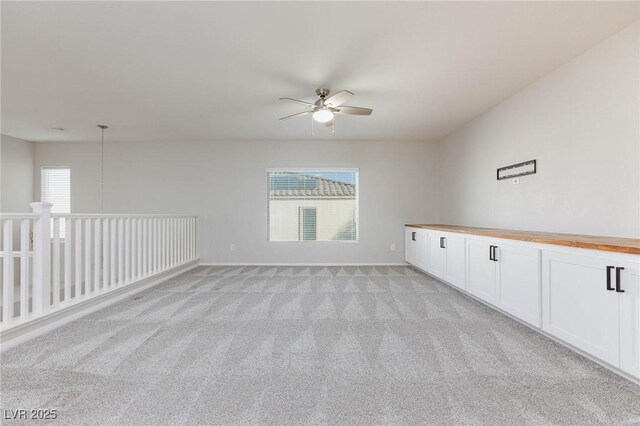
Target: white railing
<point>43,271</point>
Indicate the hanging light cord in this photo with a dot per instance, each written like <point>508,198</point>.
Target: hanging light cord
<point>102,128</point>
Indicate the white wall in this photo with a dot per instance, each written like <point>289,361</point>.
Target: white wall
<point>16,174</point>
<point>581,123</point>
<point>224,183</point>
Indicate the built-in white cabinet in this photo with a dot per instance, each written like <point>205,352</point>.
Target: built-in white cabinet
<point>410,245</point>
<point>440,254</point>
<point>518,288</point>
<point>629,314</point>
<point>505,275</point>
<point>436,254</point>
<point>589,299</point>
<point>416,247</point>
<point>592,303</point>
<point>455,254</point>
<point>446,258</point>
<point>481,270</point>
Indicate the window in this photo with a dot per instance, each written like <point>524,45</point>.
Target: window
<point>56,189</point>
<point>312,205</point>
<point>308,224</point>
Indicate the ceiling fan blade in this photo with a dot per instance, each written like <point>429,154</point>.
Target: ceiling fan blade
<point>298,101</point>
<point>349,110</point>
<point>338,99</point>
<point>296,115</point>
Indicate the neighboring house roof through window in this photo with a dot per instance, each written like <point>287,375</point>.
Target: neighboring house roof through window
<point>301,185</point>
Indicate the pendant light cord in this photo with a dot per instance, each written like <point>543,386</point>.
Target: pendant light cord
<point>102,128</point>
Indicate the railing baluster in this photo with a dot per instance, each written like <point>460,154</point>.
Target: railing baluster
<point>41,297</point>
<point>173,242</point>
<point>24,268</point>
<point>163,234</point>
<point>120,251</point>
<point>67,259</point>
<point>144,247</point>
<point>181,239</point>
<point>140,264</point>
<point>7,273</point>
<point>168,242</point>
<point>78,258</point>
<point>127,250</point>
<point>185,239</point>
<point>134,249</point>
<point>113,233</point>
<point>88,287</point>
<point>177,240</point>
<point>55,269</point>
<point>190,239</point>
<point>152,245</point>
<point>193,238</point>
<point>97,255</point>
<point>187,235</point>
<point>167,234</point>
<point>156,248</point>
<point>176,243</point>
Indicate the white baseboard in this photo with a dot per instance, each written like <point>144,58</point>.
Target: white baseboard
<point>30,329</point>
<point>301,264</point>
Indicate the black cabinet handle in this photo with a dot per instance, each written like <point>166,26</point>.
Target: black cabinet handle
<point>609,268</point>
<point>491,252</point>
<point>495,259</point>
<point>441,242</point>
<point>618,289</point>
<point>413,236</point>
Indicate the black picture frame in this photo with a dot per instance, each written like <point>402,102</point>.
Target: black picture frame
<point>517,173</point>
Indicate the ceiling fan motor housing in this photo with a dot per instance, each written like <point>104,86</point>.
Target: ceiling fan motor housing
<point>322,93</point>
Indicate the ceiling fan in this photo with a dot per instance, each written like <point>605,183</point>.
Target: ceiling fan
<point>326,108</point>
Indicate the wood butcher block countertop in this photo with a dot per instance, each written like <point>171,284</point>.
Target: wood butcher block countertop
<point>615,244</point>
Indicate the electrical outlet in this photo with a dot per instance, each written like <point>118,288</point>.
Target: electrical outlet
<point>515,181</point>
<point>232,247</point>
<point>392,247</point>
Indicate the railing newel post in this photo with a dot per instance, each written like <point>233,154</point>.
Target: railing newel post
<point>41,258</point>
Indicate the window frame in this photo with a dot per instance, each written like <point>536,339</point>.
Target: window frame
<point>355,170</point>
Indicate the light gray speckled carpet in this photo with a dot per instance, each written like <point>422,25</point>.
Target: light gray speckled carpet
<point>282,345</point>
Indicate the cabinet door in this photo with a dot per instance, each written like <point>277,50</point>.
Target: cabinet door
<point>435,265</point>
<point>519,287</point>
<point>455,267</point>
<point>481,271</point>
<point>422,249</point>
<point>409,245</point>
<point>629,303</point>
<point>576,305</point>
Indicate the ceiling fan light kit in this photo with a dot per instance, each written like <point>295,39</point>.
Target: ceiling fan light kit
<point>325,109</point>
<point>323,115</point>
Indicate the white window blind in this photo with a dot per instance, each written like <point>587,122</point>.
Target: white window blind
<point>312,204</point>
<point>56,189</point>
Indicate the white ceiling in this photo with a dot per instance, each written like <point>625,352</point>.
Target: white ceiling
<point>215,70</point>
